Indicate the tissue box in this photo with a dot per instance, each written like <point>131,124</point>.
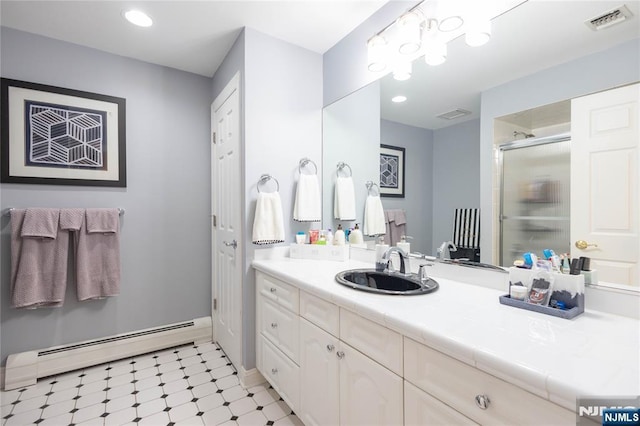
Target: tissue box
<point>319,252</point>
<point>566,288</point>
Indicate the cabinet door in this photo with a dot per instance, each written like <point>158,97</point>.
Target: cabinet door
<point>369,393</point>
<point>420,408</point>
<point>319,384</point>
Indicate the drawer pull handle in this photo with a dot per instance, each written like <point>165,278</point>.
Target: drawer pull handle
<point>274,325</point>
<point>272,289</point>
<point>274,371</point>
<point>340,354</point>
<point>330,348</point>
<point>482,401</point>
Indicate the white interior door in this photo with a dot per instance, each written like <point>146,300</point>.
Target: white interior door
<point>604,182</point>
<point>227,221</point>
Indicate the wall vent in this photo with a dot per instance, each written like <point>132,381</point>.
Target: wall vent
<point>607,19</point>
<point>456,113</point>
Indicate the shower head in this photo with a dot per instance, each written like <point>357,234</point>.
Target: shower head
<point>526,135</point>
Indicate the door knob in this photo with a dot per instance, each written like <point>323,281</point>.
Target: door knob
<point>340,354</point>
<point>330,348</point>
<point>582,244</point>
<point>233,244</point>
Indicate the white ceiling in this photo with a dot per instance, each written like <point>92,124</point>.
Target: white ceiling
<point>535,35</point>
<point>192,36</point>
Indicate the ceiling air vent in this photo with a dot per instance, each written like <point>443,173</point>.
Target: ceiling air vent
<point>456,113</point>
<point>609,18</point>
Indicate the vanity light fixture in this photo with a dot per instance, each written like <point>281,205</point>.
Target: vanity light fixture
<point>402,70</point>
<point>398,99</point>
<point>425,30</point>
<point>137,17</point>
<point>377,53</point>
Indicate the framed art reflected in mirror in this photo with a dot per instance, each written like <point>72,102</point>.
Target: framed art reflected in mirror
<point>392,171</point>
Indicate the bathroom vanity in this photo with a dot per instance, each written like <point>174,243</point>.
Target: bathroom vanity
<point>456,356</point>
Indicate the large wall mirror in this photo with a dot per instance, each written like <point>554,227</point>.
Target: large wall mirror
<point>513,87</point>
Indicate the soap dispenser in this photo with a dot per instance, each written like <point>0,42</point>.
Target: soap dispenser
<point>381,249</point>
<point>339,238</point>
<point>404,245</point>
<point>356,237</point>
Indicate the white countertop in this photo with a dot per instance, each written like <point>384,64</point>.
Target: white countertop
<point>594,354</point>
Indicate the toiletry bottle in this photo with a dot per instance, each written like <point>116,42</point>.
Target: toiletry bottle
<point>322,239</point>
<point>381,249</point>
<point>329,237</point>
<point>404,245</point>
<point>339,238</point>
<point>355,237</point>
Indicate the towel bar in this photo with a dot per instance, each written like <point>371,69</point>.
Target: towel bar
<point>304,162</point>
<point>7,212</point>
<point>264,179</point>
<point>341,165</point>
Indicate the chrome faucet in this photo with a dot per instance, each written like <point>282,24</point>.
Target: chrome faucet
<point>401,253</point>
<point>445,249</point>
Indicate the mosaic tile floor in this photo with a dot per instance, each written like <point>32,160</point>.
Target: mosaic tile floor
<point>188,385</point>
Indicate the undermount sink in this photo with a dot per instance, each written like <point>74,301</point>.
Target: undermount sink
<point>391,283</point>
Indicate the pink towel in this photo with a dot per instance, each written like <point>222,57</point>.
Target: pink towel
<point>98,255</point>
<point>38,259</point>
<point>71,219</point>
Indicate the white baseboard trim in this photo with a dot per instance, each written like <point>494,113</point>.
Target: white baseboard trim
<point>250,378</point>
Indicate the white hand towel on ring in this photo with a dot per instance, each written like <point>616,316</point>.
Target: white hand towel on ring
<point>268,223</point>
<point>374,223</point>
<point>307,204</point>
<point>344,203</point>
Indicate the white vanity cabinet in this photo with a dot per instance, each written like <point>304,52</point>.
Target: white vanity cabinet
<point>277,345</point>
<point>475,394</point>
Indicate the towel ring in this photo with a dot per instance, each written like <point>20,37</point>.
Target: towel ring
<point>304,162</point>
<point>266,178</point>
<point>342,165</point>
<point>370,185</point>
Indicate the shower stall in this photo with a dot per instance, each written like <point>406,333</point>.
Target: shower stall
<point>534,196</point>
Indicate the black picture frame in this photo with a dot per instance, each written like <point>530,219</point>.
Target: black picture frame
<point>392,171</point>
<point>57,136</point>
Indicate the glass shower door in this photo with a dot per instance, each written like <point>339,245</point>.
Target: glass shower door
<point>534,210</point>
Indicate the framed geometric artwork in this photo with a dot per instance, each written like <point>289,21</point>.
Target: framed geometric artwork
<point>58,136</point>
<point>391,171</point>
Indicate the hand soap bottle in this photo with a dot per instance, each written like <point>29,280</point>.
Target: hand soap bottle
<point>381,249</point>
<point>404,245</point>
<point>339,238</point>
<point>356,237</point>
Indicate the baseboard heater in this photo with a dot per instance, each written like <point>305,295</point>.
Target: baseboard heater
<point>25,368</point>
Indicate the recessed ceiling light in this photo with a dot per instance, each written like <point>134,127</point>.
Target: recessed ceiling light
<point>398,99</point>
<point>138,18</point>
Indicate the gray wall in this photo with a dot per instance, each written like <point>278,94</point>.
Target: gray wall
<point>351,134</point>
<point>600,71</point>
<point>283,123</point>
<point>456,176</point>
<point>165,238</point>
<point>419,181</point>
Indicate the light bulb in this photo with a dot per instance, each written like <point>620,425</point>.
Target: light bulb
<point>409,33</point>
<point>377,54</point>
<point>138,18</point>
<point>402,70</point>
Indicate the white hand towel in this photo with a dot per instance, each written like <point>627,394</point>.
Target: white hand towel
<point>307,205</point>
<point>374,223</point>
<point>344,203</point>
<point>268,223</point>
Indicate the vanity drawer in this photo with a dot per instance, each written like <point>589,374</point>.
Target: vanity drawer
<point>281,327</point>
<point>457,384</point>
<point>374,340</point>
<point>420,408</point>
<point>324,314</point>
<point>281,372</point>
<point>282,293</point>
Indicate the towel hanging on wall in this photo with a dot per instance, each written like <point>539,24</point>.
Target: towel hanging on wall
<point>344,203</point>
<point>307,204</point>
<point>39,253</point>
<point>268,222</point>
